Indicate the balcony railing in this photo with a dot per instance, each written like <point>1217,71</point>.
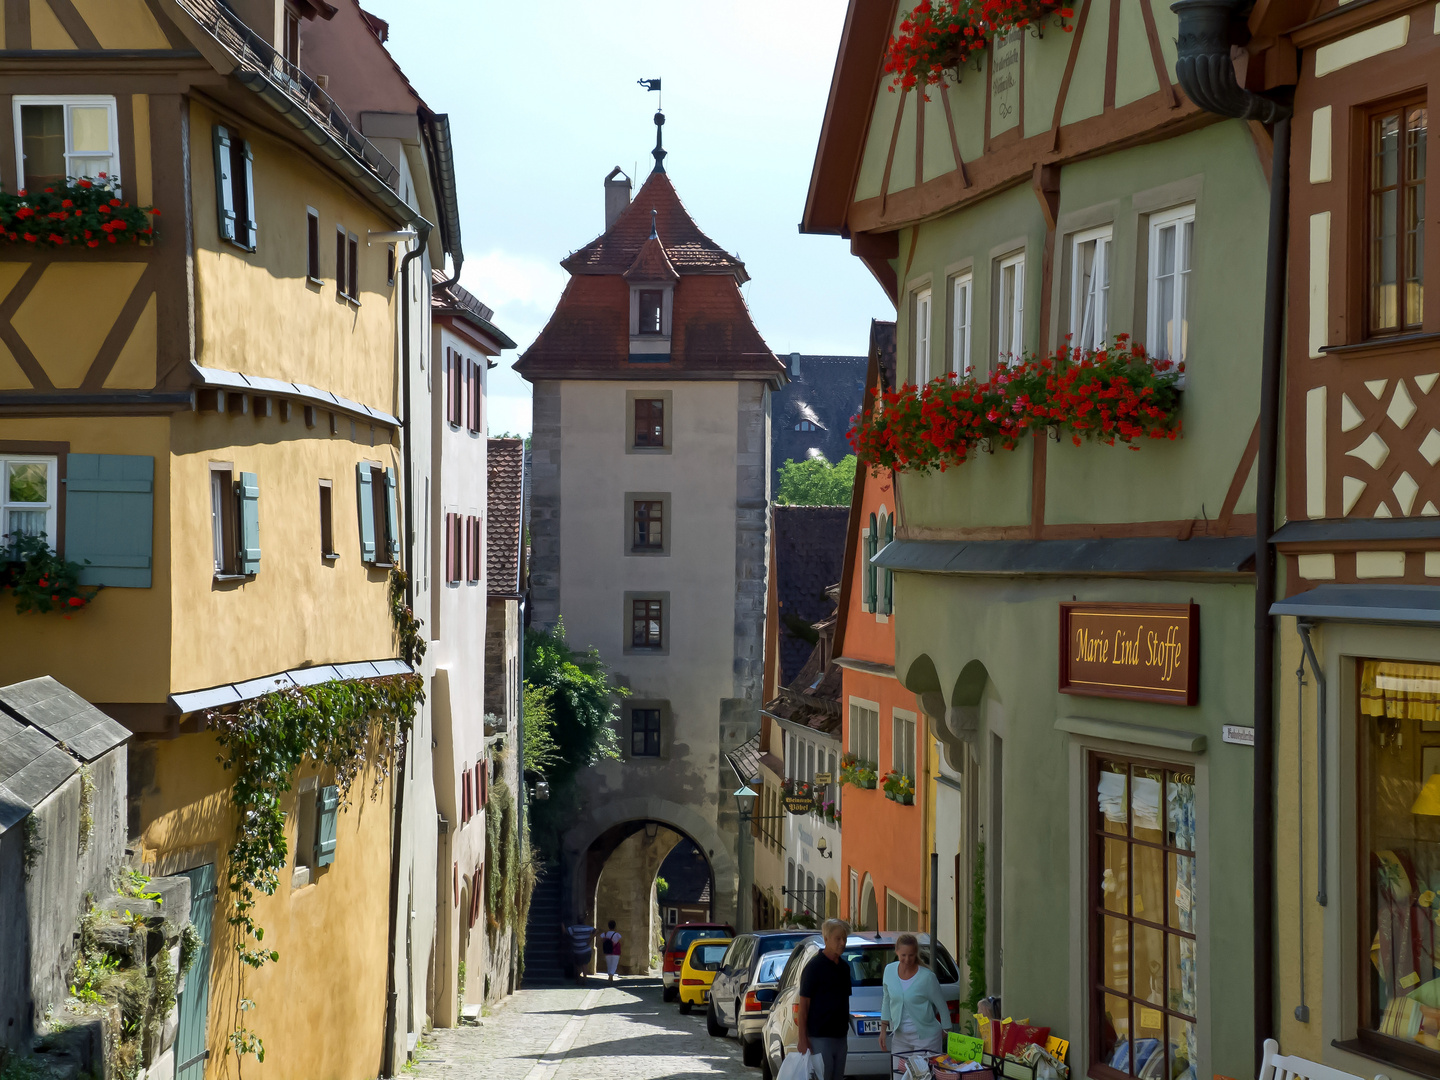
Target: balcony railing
<point>253,53</point>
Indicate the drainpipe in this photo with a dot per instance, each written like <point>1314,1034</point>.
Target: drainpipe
<point>1206,73</point>
<point>397,818</point>
<point>1321,766</point>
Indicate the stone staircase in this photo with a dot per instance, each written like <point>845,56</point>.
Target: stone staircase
<point>544,960</point>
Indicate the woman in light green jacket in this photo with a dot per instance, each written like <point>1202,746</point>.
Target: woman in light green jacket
<point>914,1014</point>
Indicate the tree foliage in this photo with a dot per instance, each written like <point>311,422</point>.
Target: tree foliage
<point>541,753</point>
<point>816,482</point>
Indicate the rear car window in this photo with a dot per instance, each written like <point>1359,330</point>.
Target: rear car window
<point>680,939</point>
<point>868,963</point>
<point>785,942</point>
<point>771,965</point>
<point>708,957</point>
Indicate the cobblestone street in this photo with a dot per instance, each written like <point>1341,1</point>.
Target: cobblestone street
<point>597,1032</point>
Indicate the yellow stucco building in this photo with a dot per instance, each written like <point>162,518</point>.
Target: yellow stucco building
<point>210,423</point>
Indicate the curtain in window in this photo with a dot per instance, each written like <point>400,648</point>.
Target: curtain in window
<point>1399,691</point>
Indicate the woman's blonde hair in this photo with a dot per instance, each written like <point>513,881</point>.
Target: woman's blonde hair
<point>907,938</point>
<point>834,926</point>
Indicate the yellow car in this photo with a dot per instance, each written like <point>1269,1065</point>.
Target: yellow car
<point>702,961</point>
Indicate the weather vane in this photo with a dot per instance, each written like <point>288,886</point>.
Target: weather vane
<point>653,84</point>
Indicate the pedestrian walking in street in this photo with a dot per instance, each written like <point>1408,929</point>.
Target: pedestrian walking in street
<point>610,946</point>
<point>824,999</point>
<point>581,938</point>
<point>914,1015</point>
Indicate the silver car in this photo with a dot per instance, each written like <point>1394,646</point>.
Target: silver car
<point>755,1006</point>
<point>737,973</point>
<point>867,955</point>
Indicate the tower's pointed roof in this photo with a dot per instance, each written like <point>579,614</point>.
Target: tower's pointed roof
<point>688,250</point>
<point>652,264</point>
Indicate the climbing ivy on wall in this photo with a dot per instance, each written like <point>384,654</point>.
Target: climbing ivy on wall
<point>510,880</point>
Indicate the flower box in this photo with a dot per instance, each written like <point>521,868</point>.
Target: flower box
<point>939,37</point>
<point>904,799</point>
<point>77,213</point>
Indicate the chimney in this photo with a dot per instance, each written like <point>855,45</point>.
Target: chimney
<point>795,365</point>
<point>617,195</point>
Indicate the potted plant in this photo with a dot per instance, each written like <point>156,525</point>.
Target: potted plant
<point>899,787</point>
<point>40,580</point>
<point>939,37</point>
<point>857,773</point>
<point>78,213</point>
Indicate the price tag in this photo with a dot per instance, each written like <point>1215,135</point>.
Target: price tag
<point>1413,979</point>
<point>1150,1019</point>
<point>1057,1048</point>
<point>964,1047</point>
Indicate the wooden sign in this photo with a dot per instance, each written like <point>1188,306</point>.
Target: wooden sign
<point>1150,652</point>
<point>799,804</point>
<point>822,779</point>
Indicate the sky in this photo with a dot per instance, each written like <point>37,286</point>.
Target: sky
<point>543,103</point>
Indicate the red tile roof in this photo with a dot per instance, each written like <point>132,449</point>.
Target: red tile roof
<point>652,264</point>
<point>503,535</point>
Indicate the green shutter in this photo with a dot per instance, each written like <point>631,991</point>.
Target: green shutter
<point>327,809</point>
<point>109,517</point>
<point>887,602</point>
<point>224,190</point>
<point>251,229</point>
<point>249,523</point>
<point>392,527</point>
<point>367,514</point>
<point>870,548</point>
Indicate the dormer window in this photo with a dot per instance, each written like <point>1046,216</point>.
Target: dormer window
<point>652,304</point>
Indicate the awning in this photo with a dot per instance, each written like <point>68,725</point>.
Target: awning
<point>234,693</point>
<point>1415,605</point>
<point>1101,557</point>
<point>240,383</point>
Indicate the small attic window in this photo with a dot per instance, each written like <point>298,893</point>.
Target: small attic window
<point>651,303</point>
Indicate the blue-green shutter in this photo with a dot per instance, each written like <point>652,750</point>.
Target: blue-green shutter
<point>249,523</point>
<point>250,230</point>
<point>392,527</point>
<point>224,190</point>
<point>871,547</point>
<point>327,809</point>
<point>367,514</point>
<point>887,601</point>
<point>109,517</point>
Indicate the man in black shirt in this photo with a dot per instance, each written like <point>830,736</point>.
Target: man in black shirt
<point>824,1019</point>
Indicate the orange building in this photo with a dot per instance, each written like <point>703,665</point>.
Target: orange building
<point>883,839</point>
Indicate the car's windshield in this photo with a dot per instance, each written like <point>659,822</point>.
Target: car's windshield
<point>708,957</point>
<point>771,964</point>
<point>680,940</point>
<point>868,963</point>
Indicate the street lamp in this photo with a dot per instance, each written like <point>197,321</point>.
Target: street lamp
<point>743,797</point>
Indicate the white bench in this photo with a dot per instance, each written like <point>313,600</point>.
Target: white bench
<point>1280,1066</point>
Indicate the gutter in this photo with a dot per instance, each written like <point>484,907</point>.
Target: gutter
<point>442,152</point>
<point>1206,73</point>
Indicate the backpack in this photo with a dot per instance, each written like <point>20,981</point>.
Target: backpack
<point>607,945</point>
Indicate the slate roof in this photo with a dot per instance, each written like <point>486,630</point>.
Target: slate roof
<point>687,875</point>
<point>809,558</point>
<point>460,302</point>
<point>826,391</point>
<point>745,759</point>
<point>505,531</point>
<point>46,732</point>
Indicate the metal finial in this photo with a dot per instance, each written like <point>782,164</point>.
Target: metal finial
<point>659,152</point>
<point>654,233</point>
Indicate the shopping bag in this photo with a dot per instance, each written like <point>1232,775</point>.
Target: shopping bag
<point>806,1066</point>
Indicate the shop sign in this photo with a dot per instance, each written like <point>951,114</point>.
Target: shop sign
<point>799,804</point>
<point>1240,736</point>
<point>822,779</point>
<point>1150,652</point>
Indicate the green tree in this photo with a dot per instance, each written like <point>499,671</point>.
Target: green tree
<point>540,749</point>
<point>815,482</point>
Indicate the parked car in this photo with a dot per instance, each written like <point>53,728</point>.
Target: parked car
<point>702,961</point>
<point>755,1006</point>
<point>678,944</point>
<point>738,972</point>
<point>867,954</point>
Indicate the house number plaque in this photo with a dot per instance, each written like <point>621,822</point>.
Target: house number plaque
<point>1149,652</point>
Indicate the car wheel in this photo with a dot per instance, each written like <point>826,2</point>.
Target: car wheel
<point>685,1008</point>
<point>668,994</point>
<point>712,1022</point>
<point>753,1053</point>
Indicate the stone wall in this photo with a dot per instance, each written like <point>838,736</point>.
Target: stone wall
<point>545,505</point>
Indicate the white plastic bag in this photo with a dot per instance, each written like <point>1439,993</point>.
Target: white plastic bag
<point>806,1066</point>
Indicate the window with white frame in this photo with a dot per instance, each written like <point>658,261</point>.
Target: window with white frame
<point>1171,236</point>
<point>962,293</point>
<point>865,732</point>
<point>854,897</point>
<point>1010,308</point>
<point>29,496</point>
<point>922,337</point>
<point>903,747</point>
<point>1090,288</point>
<point>60,137</point>
<point>900,914</point>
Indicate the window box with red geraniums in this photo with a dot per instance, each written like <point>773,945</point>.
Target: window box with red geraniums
<point>940,36</point>
<point>40,580</point>
<point>1118,394</point>
<point>898,787</point>
<point>79,213</point>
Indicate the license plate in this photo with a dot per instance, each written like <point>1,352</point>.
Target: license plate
<point>868,1027</point>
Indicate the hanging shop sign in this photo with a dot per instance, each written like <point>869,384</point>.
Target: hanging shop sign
<point>822,779</point>
<point>1149,652</point>
<point>800,804</point>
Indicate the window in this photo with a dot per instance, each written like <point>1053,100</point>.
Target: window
<point>390,270</point>
<point>307,806</point>
<point>865,732</point>
<point>806,425</point>
<point>1010,308</point>
<point>62,137</point>
<point>379,531</point>
<point>312,244</point>
<point>454,387</point>
<point>649,422</point>
<point>352,268</point>
<point>810,763</point>
<point>922,337</point>
<point>476,550</point>
<point>454,541</point>
<point>885,600</point>
<point>651,304</point>
<point>644,732</point>
<point>1396,217</point>
<point>476,384</point>
<point>902,750</point>
<point>327,521</point>
<point>647,624</point>
<point>962,296</point>
<point>29,498</point>
<point>235,189</point>
<point>900,914</point>
<point>1090,289</point>
<point>868,575</point>
<point>1171,236</point>
<point>291,41</point>
<point>1144,919</point>
<point>222,520</point>
<point>649,521</point>
<point>342,251</point>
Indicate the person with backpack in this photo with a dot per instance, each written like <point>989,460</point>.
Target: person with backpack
<point>610,947</point>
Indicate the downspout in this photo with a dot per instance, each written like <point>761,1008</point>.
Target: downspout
<point>397,816</point>
<point>1321,767</point>
<point>1206,73</point>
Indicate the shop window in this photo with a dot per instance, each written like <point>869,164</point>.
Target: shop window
<point>62,137</point>
<point>1171,235</point>
<point>1144,919</point>
<point>29,497</point>
<point>1400,830</point>
<point>1395,217</point>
